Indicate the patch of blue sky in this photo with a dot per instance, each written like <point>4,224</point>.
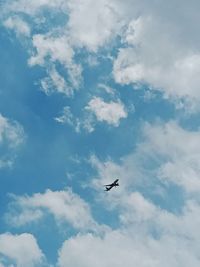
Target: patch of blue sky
<point>191,122</point>
<point>21,100</point>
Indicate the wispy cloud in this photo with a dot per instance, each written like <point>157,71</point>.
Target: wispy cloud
<point>18,25</point>
<point>11,137</point>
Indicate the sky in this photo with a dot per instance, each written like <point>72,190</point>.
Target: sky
<point>90,92</point>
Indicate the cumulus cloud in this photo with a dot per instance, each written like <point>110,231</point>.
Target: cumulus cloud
<point>110,112</point>
<point>65,206</point>
<point>133,246</point>
<point>11,137</point>
<point>93,26</point>
<point>162,50</point>
<point>21,249</point>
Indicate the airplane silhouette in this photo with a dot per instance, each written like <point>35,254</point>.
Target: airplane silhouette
<point>110,186</point>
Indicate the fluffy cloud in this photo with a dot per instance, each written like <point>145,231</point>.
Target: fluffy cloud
<point>55,47</point>
<point>65,206</point>
<point>110,112</point>
<point>93,26</point>
<point>22,249</point>
<point>162,50</point>
<point>167,239</point>
<point>11,137</point>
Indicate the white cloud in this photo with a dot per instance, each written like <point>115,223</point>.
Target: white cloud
<point>11,137</point>
<point>90,26</point>
<point>110,112</point>
<point>67,117</point>
<point>18,25</point>
<point>55,82</point>
<point>22,249</point>
<point>10,131</point>
<point>122,247</point>
<point>181,162</point>
<point>93,26</point>
<point>65,206</point>
<point>56,47</point>
<point>162,50</point>
<point>49,51</point>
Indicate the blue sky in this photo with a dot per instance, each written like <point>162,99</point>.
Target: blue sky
<point>89,93</point>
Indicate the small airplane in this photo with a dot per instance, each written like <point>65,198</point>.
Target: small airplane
<point>110,186</point>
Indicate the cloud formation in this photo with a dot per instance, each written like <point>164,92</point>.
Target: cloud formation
<point>65,206</point>
<point>148,233</point>
<point>21,250</point>
<point>133,245</point>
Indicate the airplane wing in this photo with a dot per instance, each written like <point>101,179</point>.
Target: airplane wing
<point>108,188</point>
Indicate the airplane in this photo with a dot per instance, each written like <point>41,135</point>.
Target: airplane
<point>110,186</point>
